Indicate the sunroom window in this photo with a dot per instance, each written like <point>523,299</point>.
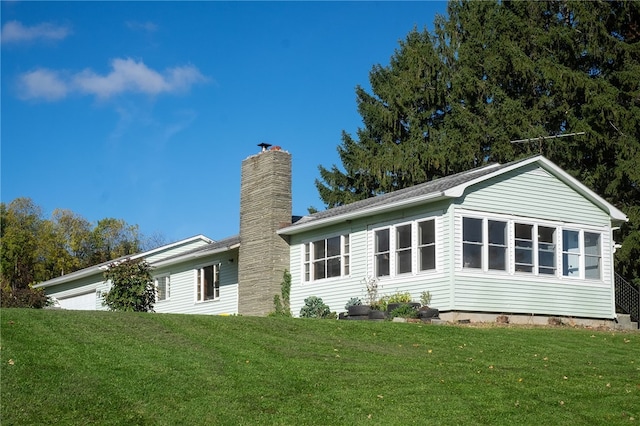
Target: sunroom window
<point>472,242</point>
<point>592,256</point>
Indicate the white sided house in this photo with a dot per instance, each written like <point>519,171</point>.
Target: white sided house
<point>523,238</point>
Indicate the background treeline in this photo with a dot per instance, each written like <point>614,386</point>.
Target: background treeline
<point>495,72</point>
<point>35,249</point>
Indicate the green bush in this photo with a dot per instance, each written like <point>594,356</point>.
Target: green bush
<point>24,298</point>
<point>132,286</point>
<point>404,311</point>
<point>314,307</point>
<point>281,302</point>
<point>400,298</point>
<point>425,298</point>
<point>354,301</point>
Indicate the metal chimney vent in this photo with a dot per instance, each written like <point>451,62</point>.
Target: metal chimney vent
<point>264,146</point>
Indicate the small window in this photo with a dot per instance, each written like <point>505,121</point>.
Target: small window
<point>307,262</point>
<point>208,283</point>
<point>382,253</point>
<point>345,256</point>
<point>427,245</point>
<point>162,287</point>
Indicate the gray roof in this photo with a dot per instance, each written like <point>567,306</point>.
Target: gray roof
<point>447,187</point>
<point>432,187</point>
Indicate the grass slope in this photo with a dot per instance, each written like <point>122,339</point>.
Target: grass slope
<point>64,367</point>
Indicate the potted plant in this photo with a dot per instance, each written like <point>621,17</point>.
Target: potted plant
<point>356,309</point>
<point>425,312</point>
<point>399,299</point>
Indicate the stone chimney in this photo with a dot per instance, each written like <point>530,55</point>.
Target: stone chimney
<point>265,207</point>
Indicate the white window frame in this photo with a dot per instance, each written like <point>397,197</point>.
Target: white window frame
<point>309,259</point>
<point>200,284</point>
<point>560,253</point>
<point>535,248</point>
<point>415,249</point>
<point>485,244</point>
<point>582,254</point>
<point>167,290</point>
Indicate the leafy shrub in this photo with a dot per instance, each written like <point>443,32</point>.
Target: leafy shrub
<point>425,298</point>
<point>404,311</point>
<point>380,304</point>
<point>314,307</point>
<point>132,287</point>
<point>24,298</point>
<point>281,302</point>
<point>354,301</point>
<point>400,298</point>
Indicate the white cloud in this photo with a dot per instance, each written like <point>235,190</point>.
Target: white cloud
<point>126,76</point>
<point>141,26</point>
<point>43,84</point>
<point>15,32</point>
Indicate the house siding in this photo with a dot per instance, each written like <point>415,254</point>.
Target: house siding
<point>533,192</point>
<point>182,296</point>
<point>335,292</point>
<point>532,195</point>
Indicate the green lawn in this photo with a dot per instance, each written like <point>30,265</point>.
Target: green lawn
<point>64,367</point>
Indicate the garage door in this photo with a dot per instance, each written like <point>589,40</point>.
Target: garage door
<point>82,302</point>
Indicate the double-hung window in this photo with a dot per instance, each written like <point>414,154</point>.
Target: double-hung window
<point>163,287</point>
<point>208,283</point>
<point>326,258</point>
<point>535,248</point>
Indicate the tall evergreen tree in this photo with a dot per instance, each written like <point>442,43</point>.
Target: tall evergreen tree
<point>493,72</point>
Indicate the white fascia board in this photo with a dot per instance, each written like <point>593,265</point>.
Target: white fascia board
<point>320,223</point>
<point>194,256</point>
<point>71,277</point>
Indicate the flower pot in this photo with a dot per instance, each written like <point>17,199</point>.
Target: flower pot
<point>359,310</point>
<point>427,313</point>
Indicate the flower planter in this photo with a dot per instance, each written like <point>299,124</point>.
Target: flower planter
<point>359,310</point>
<point>428,313</point>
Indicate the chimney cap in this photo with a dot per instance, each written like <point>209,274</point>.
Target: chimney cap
<point>264,146</point>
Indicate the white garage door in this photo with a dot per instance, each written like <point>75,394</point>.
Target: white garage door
<point>82,302</point>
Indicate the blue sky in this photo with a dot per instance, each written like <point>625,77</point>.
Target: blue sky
<point>144,111</point>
